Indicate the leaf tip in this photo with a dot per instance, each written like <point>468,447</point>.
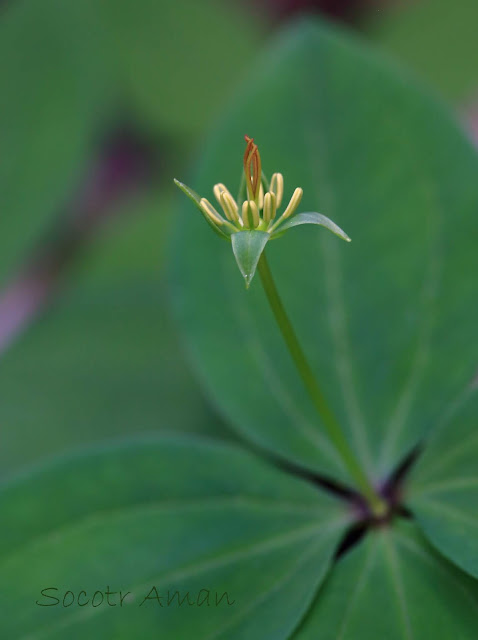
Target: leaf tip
<point>248,278</point>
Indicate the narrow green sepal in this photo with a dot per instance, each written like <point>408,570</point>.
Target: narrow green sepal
<point>194,197</point>
<point>248,247</point>
<point>311,217</point>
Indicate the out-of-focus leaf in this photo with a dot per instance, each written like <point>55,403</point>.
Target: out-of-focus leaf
<point>53,91</point>
<point>394,586</point>
<point>104,361</point>
<point>247,247</point>
<point>178,60</point>
<point>437,38</point>
<point>389,320</point>
<point>175,515</point>
<point>443,489</point>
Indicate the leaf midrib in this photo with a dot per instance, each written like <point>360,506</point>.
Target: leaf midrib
<point>84,521</point>
<point>339,333</point>
<point>196,569</point>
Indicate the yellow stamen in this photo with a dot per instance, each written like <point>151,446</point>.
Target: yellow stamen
<point>261,197</point>
<point>211,212</point>
<point>218,189</point>
<point>245,213</point>
<point>269,210</point>
<point>293,204</point>
<point>255,213</point>
<point>277,187</point>
<point>230,206</point>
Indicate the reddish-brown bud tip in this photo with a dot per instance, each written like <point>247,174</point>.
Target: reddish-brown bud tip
<point>252,168</point>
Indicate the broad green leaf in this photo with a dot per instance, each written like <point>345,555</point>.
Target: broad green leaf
<point>394,586</point>
<point>178,515</point>
<point>247,247</point>
<point>389,320</point>
<point>104,361</point>
<point>416,32</point>
<point>443,488</point>
<point>53,89</point>
<point>177,61</point>
<point>311,217</point>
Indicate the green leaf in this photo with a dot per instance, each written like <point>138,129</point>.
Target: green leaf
<point>177,60</point>
<point>248,247</point>
<point>178,515</point>
<point>54,91</point>
<point>312,218</point>
<point>394,586</point>
<point>415,33</point>
<point>443,488</point>
<point>104,361</point>
<point>389,321</point>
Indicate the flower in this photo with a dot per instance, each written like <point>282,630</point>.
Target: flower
<point>251,221</point>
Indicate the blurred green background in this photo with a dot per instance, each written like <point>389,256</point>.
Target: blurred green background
<point>102,104</point>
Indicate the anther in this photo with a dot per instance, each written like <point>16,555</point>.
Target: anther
<point>255,213</point>
<point>261,197</point>
<point>211,212</point>
<point>293,204</point>
<point>269,210</point>
<point>245,213</point>
<point>218,189</point>
<point>277,187</point>
<point>230,206</point>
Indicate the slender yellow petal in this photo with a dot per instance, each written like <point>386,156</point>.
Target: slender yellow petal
<point>277,187</point>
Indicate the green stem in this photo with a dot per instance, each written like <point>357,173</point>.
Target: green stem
<point>334,430</point>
